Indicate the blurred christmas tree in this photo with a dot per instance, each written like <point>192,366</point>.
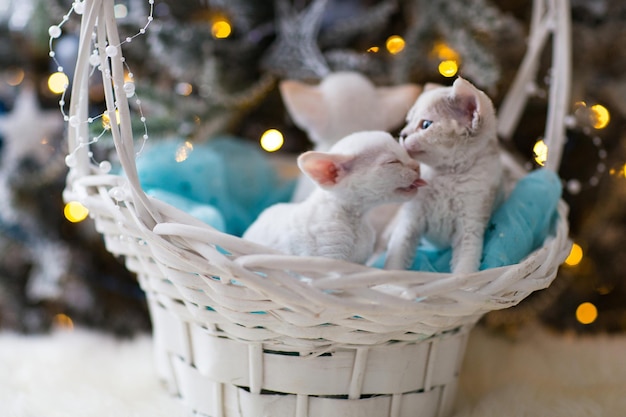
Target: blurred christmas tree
<point>211,66</point>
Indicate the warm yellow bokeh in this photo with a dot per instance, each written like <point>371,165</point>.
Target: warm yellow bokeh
<point>220,28</point>
<point>395,44</point>
<point>586,313</point>
<point>448,68</point>
<point>75,212</point>
<point>541,152</point>
<point>272,140</point>
<point>600,116</point>
<point>58,82</point>
<point>106,119</point>
<point>443,52</point>
<point>63,321</point>
<point>575,255</point>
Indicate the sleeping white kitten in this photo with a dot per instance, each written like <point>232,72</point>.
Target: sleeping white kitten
<point>451,131</point>
<point>361,171</point>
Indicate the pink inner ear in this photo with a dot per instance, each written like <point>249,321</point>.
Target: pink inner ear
<point>470,106</point>
<point>322,171</point>
<point>466,99</point>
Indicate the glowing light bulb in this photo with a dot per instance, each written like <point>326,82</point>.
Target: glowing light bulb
<point>541,152</point>
<point>395,44</point>
<point>575,255</point>
<point>220,28</point>
<point>58,82</point>
<point>75,212</point>
<point>448,68</point>
<point>600,116</point>
<point>183,151</point>
<point>272,140</point>
<point>586,313</point>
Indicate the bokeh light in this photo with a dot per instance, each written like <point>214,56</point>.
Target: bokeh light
<point>58,82</point>
<point>184,89</point>
<point>75,212</point>
<point>444,52</point>
<point>106,119</point>
<point>600,116</point>
<point>63,321</point>
<point>395,44</point>
<point>541,152</point>
<point>272,140</point>
<point>575,255</point>
<point>448,68</point>
<point>183,151</point>
<point>586,313</point>
<point>15,77</point>
<point>220,28</point>
<point>373,49</point>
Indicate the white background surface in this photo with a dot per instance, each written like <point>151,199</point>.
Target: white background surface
<point>81,373</point>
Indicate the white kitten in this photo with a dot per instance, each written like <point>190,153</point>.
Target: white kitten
<point>341,104</point>
<point>452,132</point>
<point>361,171</point>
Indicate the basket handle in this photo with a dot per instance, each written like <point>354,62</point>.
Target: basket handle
<point>99,16</point>
<point>549,16</point>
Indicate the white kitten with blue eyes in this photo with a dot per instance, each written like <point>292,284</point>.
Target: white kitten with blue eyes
<point>363,170</point>
<point>451,131</point>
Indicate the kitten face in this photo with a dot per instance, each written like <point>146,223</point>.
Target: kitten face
<point>366,167</point>
<point>448,123</point>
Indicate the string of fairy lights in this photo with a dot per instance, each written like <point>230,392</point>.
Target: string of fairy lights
<point>58,83</point>
<point>594,117</point>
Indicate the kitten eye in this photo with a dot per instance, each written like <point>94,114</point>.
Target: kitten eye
<point>395,161</point>
<point>425,124</point>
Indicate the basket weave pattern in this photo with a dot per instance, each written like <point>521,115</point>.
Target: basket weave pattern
<point>240,330</point>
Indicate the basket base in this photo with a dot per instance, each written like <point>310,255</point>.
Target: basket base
<point>208,398</point>
<point>220,377</point>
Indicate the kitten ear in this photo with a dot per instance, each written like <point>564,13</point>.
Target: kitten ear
<point>324,168</point>
<point>304,103</point>
<point>466,103</point>
<point>396,102</point>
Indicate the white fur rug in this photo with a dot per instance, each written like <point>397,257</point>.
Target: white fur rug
<point>540,374</point>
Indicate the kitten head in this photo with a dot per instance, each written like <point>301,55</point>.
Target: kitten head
<point>367,168</point>
<point>447,123</point>
<point>344,103</point>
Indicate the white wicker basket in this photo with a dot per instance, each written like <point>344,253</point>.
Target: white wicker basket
<point>240,330</point>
